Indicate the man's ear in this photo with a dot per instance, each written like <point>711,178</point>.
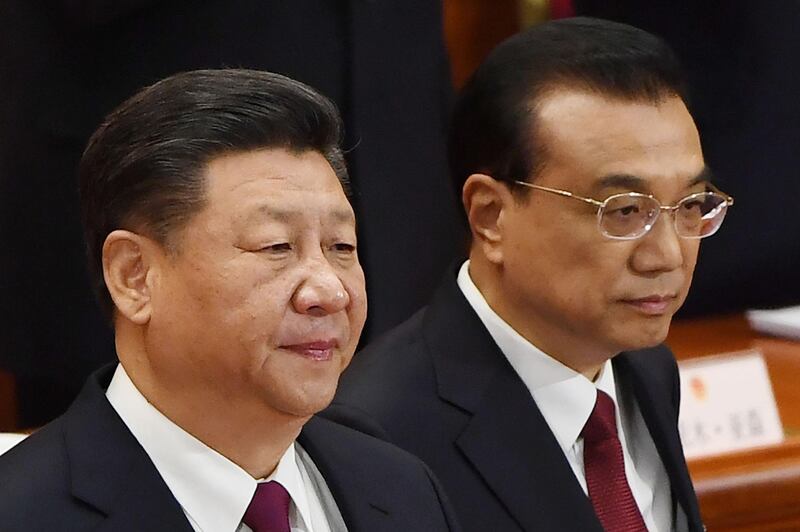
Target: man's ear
<point>486,201</point>
<point>127,262</point>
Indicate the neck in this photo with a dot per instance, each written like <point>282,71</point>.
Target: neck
<point>242,429</point>
<point>552,339</point>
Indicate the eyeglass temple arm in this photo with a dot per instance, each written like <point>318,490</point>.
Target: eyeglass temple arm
<point>564,193</point>
<point>728,199</point>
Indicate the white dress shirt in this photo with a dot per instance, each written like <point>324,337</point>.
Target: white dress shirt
<point>214,492</point>
<point>566,398</point>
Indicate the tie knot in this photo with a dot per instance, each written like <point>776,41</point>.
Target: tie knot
<point>269,509</point>
<point>602,423</point>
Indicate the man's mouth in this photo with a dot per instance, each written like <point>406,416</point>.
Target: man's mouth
<point>318,350</point>
<point>652,305</point>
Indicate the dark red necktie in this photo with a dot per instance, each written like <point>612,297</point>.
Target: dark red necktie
<point>605,471</point>
<point>269,509</point>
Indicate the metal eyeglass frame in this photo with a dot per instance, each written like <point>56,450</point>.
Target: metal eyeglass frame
<point>728,201</point>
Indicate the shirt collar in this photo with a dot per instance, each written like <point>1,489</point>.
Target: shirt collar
<point>288,475</point>
<point>565,397</point>
<point>213,491</point>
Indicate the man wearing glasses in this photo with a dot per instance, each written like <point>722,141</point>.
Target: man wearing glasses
<point>535,383</point>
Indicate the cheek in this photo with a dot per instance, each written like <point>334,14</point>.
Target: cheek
<point>250,311</point>
<point>690,250</point>
<point>547,262</point>
<point>583,264</point>
<point>265,300</point>
<point>592,281</point>
<point>562,239</point>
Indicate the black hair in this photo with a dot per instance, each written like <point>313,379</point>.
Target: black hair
<point>493,129</point>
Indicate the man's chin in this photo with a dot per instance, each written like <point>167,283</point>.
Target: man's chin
<point>311,403</point>
<point>650,336</point>
<point>643,333</point>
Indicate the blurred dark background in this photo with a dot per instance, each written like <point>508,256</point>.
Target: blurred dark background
<point>65,63</point>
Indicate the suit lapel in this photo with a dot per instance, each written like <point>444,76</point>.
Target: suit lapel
<point>660,415</point>
<point>507,440</point>
<point>110,471</point>
<point>509,443</point>
<point>362,505</point>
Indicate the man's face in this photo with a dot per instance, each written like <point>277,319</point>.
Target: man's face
<point>263,300</point>
<point>566,287</point>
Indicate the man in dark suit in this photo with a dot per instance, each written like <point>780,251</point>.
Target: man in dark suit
<point>534,384</point>
<point>65,64</point>
<point>223,249</point>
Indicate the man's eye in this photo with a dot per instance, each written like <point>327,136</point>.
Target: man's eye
<point>280,247</point>
<point>625,211</point>
<point>692,205</point>
<point>344,247</point>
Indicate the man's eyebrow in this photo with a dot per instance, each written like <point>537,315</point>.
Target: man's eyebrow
<point>639,184</point>
<point>626,181</point>
<point>705,176</point>
<point>343,216</point>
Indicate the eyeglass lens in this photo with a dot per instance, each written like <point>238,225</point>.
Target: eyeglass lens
<point>631,215</point>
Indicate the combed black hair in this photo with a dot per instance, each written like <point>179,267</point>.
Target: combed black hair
<point>493,129</point>
<point>143,168</point>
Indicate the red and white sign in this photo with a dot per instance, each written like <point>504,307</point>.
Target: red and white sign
<point>727,404</point>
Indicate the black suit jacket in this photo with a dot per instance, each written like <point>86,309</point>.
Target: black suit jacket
<point>85,471</point>
<point>439,387</point>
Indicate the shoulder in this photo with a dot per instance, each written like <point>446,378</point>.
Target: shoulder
<point>654,371</point>
<point>362,451</point>
<point>404,338</point>
<point>655,362</point>
<point>389,378</point>
<point>34,475</point>
<point>51,469</point>
<point>398,360</point>
<point>38,461</point>
<point>366,457</point>
<point>355,465</point>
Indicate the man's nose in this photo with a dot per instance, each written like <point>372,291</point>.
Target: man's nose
<point>660,249</point>
<point>322,291</point>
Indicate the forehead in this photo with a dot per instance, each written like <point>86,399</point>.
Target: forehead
<point>275,180</point>
<point>587,136</point>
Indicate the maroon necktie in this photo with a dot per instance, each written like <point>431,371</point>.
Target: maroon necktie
<point>269,509</point>
<point>605,471</point>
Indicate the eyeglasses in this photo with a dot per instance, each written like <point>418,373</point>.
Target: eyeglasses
<point>631,215</point>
